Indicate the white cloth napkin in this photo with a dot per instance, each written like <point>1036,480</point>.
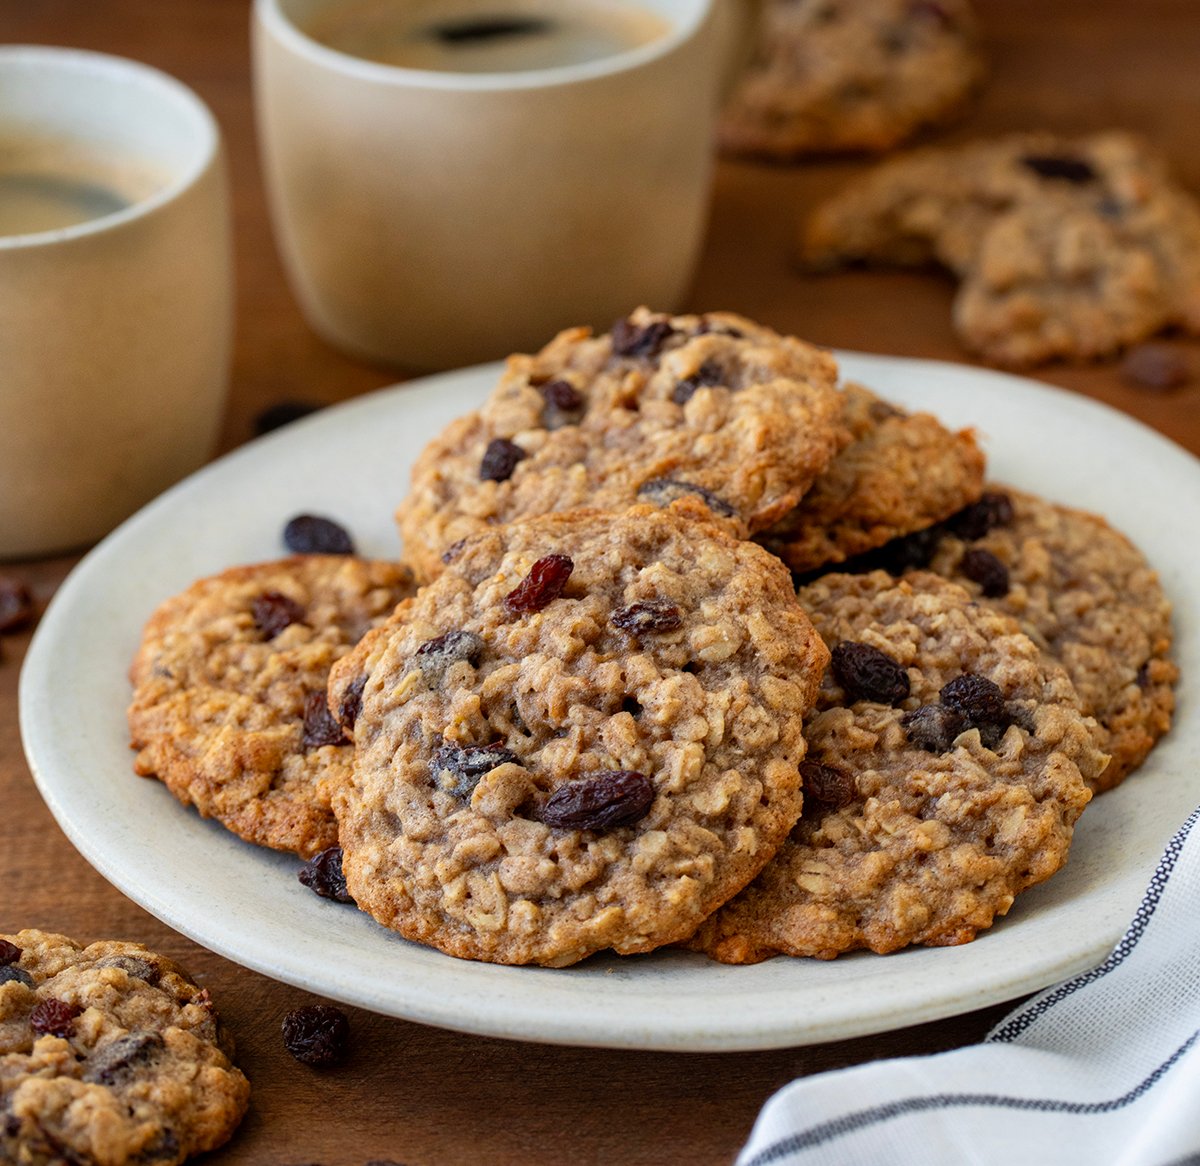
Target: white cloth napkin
<point>1098,1070</point>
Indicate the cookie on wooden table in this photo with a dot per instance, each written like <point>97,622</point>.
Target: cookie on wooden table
<point>583,735</point>
<point>1065,247</point>
<point>901,472</point>
<point>847,75</point>
<point>948,760</point>
<point>711,407</point>
<point>229,706</point>
<point>109,1055</point>
<point>1085,593</point>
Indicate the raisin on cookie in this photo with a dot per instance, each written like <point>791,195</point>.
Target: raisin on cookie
<point>948,761</point>
<point>845,75</point>
<point>583,735</point>
<point>109,1054</point>
<point>1065,247</point>
<point>901,472</point>
<point>1086,594</point>
<point>229,707</point>
<point>714,408</point>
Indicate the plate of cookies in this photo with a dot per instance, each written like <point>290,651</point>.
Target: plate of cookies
<point>682,686</point>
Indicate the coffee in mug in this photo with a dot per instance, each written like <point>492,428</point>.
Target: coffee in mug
<point>504,36</point>
<point>49,183</point>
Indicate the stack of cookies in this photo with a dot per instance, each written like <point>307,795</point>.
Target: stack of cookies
<point>693,646</point>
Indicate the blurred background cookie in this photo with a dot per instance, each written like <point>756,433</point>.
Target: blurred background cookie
<point>1064,247</point>
<point>848,75</point>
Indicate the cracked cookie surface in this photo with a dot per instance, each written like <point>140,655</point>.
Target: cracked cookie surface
<point>901,472</point>
<point>109,1054</point>
<point>937,786</point>
<point>844,75</point>
<point>1086,594</point>
<point>1065,247</point>
<point>583,735</point>
<point>228,706</point>
<point>714,406</point>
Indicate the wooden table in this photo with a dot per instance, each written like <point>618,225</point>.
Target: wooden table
<point>433,1098</point>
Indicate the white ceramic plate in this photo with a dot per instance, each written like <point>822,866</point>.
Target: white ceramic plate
<point>352,463</point>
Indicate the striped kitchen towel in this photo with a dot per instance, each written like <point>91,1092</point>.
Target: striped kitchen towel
<point>1102,1070</point>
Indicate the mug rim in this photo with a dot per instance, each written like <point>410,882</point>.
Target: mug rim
<point>87,62</point>
<point>270,15</point>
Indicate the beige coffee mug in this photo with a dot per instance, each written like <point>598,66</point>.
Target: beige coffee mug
<point>115,292</point>
<point>431,218</point>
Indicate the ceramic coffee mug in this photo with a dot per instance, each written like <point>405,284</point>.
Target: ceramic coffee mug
<point>431,218</point>
<point>115,292</point>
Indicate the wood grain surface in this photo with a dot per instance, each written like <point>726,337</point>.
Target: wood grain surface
<point>427,1097</point>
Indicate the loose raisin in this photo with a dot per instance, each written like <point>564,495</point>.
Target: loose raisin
<point>323,875</point>
<point>564,405</point>
<point>319,726</point>
<point>466,765</point>
<point>1067,169</point>
<point>664,491</point>
<point>317,1034</point>
<point>933,727</point>
<point>973,522</point>
<point>121,1058</point>
<point>1148,366</point>
<point>16,604</point>
<point>707,375</point>
<point>435,656</point>
<point>500,459</point>
<point>866,673</point>
<point>9,953</point>
<point>282,413</point>
<point>274,611</point>
<point>989,572</point>
<point>54,1017</point>
<point>826,788</point>
<point>647,617</point>
<point>614,797</point>
<point>630,340</point>
<point>11,972</point>
<point>544,584</point>
<point>310,534</point>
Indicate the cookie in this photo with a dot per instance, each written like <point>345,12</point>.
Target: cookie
<point>947,764</point>
<point>109,1054</point>
<point>1065,247</point>
<point>713,407</point>
<point>901,472</point>
<point>583,735</point>
<point>228,706</point>
<point>841,75</point>
<point>1086,594</point>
